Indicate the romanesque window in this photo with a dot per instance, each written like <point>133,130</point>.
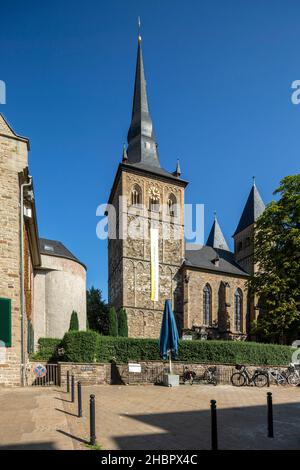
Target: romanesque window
<point>136,195</point>
<point>238,307</point>
<point>172,205</point>
<point>207,305</point>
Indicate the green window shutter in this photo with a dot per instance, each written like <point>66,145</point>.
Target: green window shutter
<point>5,321</point>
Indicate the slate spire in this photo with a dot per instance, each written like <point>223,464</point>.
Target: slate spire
<point>254,207</point>
<point>216,238</point>
<point>142,146</point>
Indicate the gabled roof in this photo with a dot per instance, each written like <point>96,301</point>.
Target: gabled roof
<point>206,256</point>
<point>216,238</point>
<point>254,207</point>
<point>7,130</point>
<point>56,248</point>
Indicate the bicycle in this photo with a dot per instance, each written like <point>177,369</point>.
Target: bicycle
<point>275,375</point>
<point>209,376</point>
<point>259,378</point>
<point>293,375</point>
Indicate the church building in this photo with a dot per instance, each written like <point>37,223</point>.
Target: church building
<point>208,285</point>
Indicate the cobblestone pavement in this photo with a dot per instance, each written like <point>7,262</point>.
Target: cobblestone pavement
<point>154,417</point>
<point>30,419</point>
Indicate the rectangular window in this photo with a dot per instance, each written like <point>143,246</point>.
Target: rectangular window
<point>5,321</point>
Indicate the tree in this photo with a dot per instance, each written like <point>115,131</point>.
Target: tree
<point>74,323</point>
<point>277,254</point>
<point>97,311</point>
<point>112,322</point>
<point>122,323</point>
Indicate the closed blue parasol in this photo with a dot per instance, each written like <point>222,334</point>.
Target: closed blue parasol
<point>169,338</point>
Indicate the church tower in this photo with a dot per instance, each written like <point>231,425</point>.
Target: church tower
<point>146,225</point>
<point>244,246</point>
<point>243,235</point>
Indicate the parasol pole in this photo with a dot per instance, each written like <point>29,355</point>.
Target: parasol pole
<point>170,362</point>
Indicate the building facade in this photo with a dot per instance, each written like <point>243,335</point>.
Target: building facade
<point>22,261</point>
<point>60,289</point>
<point>208,285</point>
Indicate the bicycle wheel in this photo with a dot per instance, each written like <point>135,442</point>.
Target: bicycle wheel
<point>260,380</point>
<point>294,379</point>
<point>238,380</point>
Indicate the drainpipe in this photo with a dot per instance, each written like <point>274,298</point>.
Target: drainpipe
<point>23,313</point>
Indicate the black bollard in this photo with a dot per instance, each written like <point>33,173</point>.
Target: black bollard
<point>270,415</point>
<point>214,430</point>
<point>72,389</point>
<point>68,382</point>
<point>92,421</point>
<point>79,400</point>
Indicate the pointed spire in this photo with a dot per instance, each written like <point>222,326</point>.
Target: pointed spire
<point>177,172</point>
<point>254,207</point>
<point>142,146</point>
<point>216,238</point>
<point>125,156</point>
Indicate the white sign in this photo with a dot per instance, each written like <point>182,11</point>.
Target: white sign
<point>137,368</point>
<point>187,337</point>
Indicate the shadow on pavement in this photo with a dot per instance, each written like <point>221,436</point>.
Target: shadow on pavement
<point>238,428</point>
<point>29,446</point>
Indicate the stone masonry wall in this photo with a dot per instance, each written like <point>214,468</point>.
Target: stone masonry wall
<point>13,159</point>
<point>193,299</point>
<point>129,259</point>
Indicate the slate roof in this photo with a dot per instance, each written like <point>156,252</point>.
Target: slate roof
<point>254,207</point>
<point>216,238</point>
<point>141,139</point>
<point>204,256</point>
<point>56,248</point>
<point>153,169</point>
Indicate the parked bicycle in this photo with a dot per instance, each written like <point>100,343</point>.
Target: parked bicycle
<point>243,377</point>
<point>276,376</point>
<point>293,375</point>
<point>209,376</point>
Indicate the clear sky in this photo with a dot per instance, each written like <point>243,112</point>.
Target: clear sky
<point>219,77</point>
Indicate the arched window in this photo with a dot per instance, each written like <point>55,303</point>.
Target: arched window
<point>238,309</point>
<point>154,200</point>
<point>172,202</point>
<point>136,195</point>
<point>207,305</point>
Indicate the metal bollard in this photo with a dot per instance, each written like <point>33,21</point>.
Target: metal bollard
<point>79,400</point>
<point>270,415</point>
<point>214,430</point>
<point>92,421</point>
<point>72,389</point>
<point>68,382</point>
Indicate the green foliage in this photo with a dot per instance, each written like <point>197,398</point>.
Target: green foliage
<point>88,346</point>
<point>112,322</point>
<point>122,323</point>
<point>277,253</point>
<point>47,350</point>
<point>97,311</point>
<point>74,323</point>
<point>80,346</point>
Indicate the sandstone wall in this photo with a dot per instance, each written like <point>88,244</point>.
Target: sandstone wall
<point>13,159</point>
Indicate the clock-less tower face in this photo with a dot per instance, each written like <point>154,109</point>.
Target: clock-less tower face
<point>158,204</point>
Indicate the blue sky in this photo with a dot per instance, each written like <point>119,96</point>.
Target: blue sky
<point>219,77</point>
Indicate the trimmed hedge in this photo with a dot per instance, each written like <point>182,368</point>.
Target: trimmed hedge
<point>89,346</point>
<point>47,350</point>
